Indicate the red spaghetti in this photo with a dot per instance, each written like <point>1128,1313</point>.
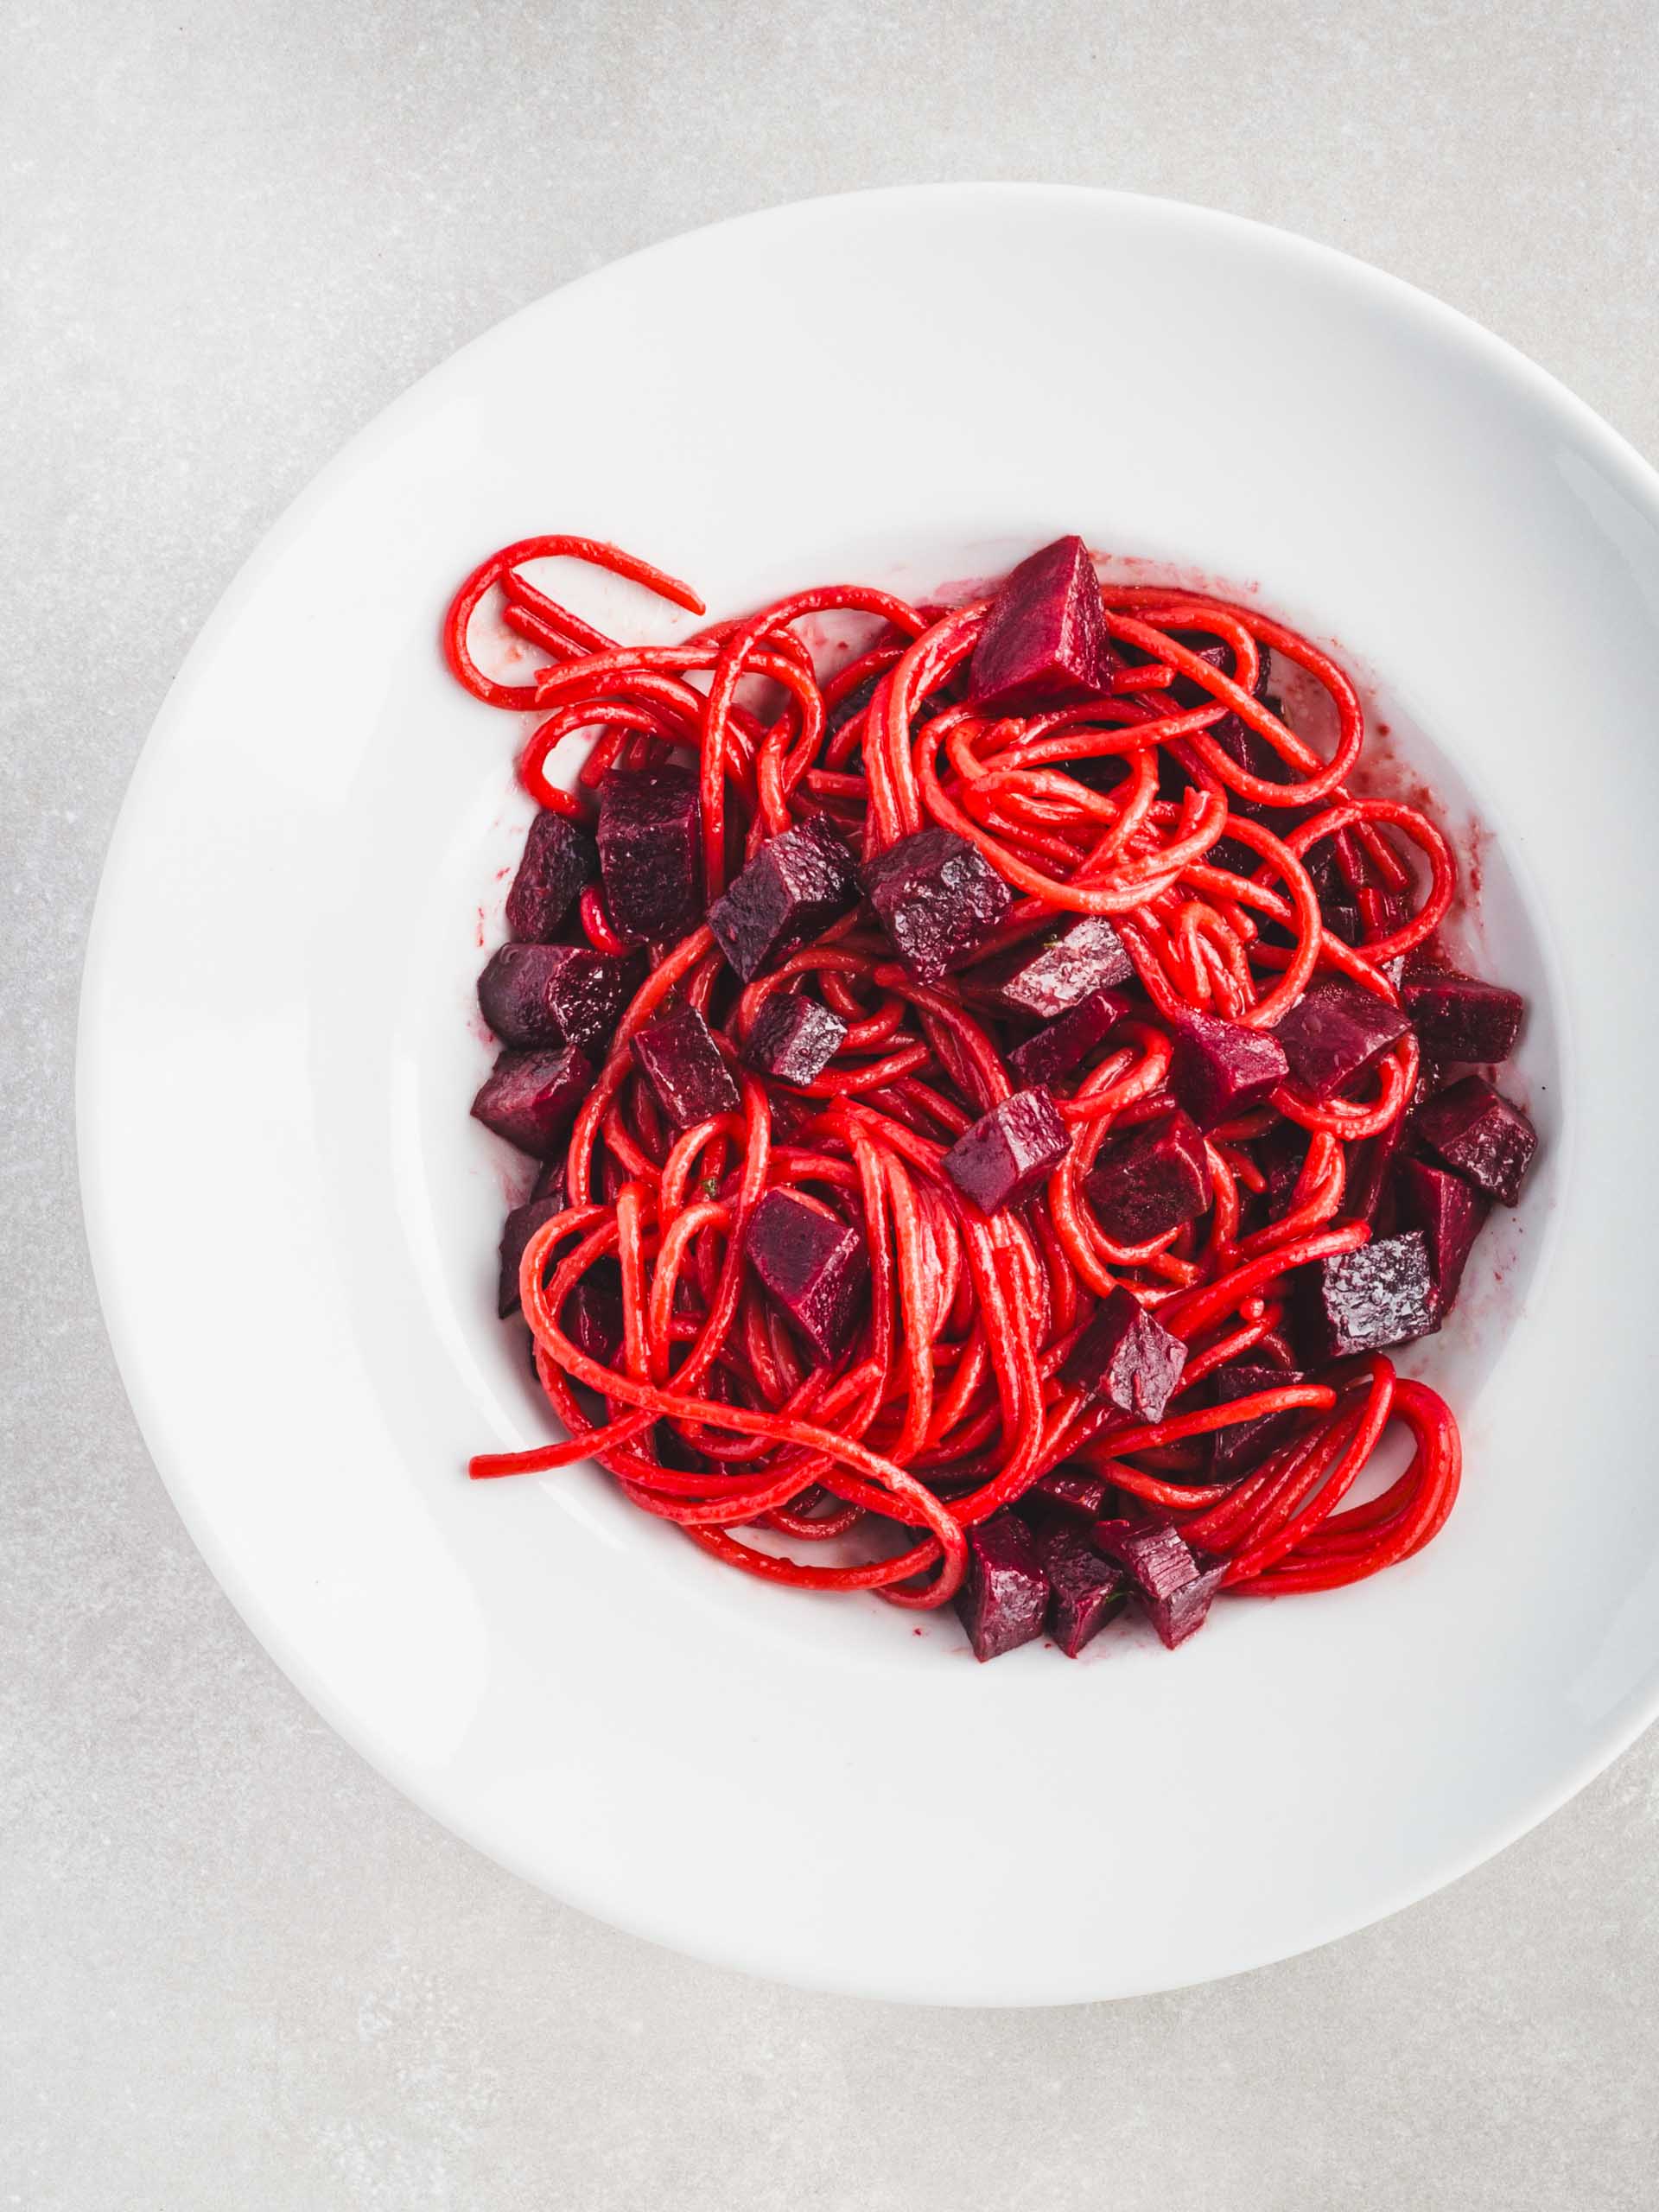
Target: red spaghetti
<point>993,1098</point>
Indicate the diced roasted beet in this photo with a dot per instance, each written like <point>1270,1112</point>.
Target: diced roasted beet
<point>1064,1044</point>
<point>1473,1129</point>
<point>1009,1153</point>
<point>592,1313</point>
<point>554,994</point>
<point>1069,1495</point>
<point>794,1037</point>
<point>1281,1154</point>
<point>679,1059</point>
<point>1449,1211</point>
<point>1004,1593</point>
<point>1152,1552</point>
<point>793,888</point>
<point>1127,1357</point>
<point>1184,1611</point>
<point>559,858</point>
<point>519,1227</point>
<point>815,1268</point>
<point>1254,755</point>
<point>1334,1032</point>
<point>1045,641</point>
<point>1049,974</point>
<point>1234,1451</point>
<point>937,898</point>
<point>1369,1183</point>
<point>649,852</point>
<point>1152,1180</point>
<point>531,1098</point>
<point>1188,692</point>
<point>1381,1294</point>
<point>1085,1591</point>
<point>549,1183</point>
<point>1220,1069</point>
<point>1458,1017</point>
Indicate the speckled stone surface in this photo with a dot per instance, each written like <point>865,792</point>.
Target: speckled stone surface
<point>236,1970</point>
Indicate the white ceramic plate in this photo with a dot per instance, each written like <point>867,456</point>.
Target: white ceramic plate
<point>294,1220</point>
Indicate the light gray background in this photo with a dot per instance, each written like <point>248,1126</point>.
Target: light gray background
<point>238,1969</point>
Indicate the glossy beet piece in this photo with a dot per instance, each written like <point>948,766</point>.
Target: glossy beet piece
<point>1281,1154</point>
<point>1009,1153</point>
<point>789,892</point>
<point>1344,918</point>
<point>1152,1180</point>
<point>649,852</point>
<point>1383,1294</point>
<point>679,1059</point>
<point>559,858</point>
<point>1175,1583</point>
<point>554,994</point>
<point>1460,1018</point>
<point>1049,974</point>
<point>592,1313</point>
<point>1234,1451</point>
<point>1067,1496</point>
<point>1191,693</point>
<point>1334,1032</point>
<point>1221,1069</point>
<point>1473,1129</point>
<point>1004,1594</point>
<point>1065,1044</point>
<point>519,1227</point>
<point>815,1268</point>
<point>938,899</point>
<point>1045,641</point>
<point>531,1098</point>
<point>1085,1591</point>
<point>794,1037</point>
<point>1449,1212</point>
<point>1127,1357</point>
<point>1369,1175</point>
<point>1183,1612</point>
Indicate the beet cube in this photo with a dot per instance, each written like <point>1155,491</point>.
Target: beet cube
<point>649,852</point>
<point>1127,1357</point>
<point>554,994</point>
<point>1085,1591</point>
<point>1460,1018</point>
<point>679,1059</point>
<point>1221,1069</point>
<point>793,888</point>
<point>592,1313</point>
<point>549,1183</point>
<point>794,1037</point>
<point>937,898</point>
<point>559,858</point>
<point>1051,974</point>
<point>519,1227</point>
<point>1472,1128</point>
<point>1153,1180</point>
<point>1152,1553</point>
<point>814,1266</point>
<point>1067,1496</point>
<point>1449,1211</point>
<point>1334,1032</point>
<point>1183,1612</point>
<point>1234,1451</point>
<point>1045,641</point>
<point>1381,1294</point>
<point>1369,1178</point>
<point>1064,1044</point>
<point>1004,1593</point>
<point>531,1098</point>
<point>1007,1153</point>
<point>1281,1154</point>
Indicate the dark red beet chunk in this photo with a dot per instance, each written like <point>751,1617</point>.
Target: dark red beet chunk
<point>1007,1154</point>
<point>816,1269</point>
<point>1004,1593</point>
<point>1152,1181</point>
<point>553,994</point>
<point>1049,974</point>
<point>1045,641</point>
<point>1368,1181</point>
<point>794,1037</point>
<point>1334,1032</point>
<point>1085,1591</point>
<point>681,1061</point>
<point>1127,1357</point>
<point>559,858</point>
<point>1472,1128</point>
<point>649,852</point>
<point>790,892</point>
<point>1383,1294</point>
<point>531,1098</point>
<point>592,1313</point>
<point>1184,1612</point>
<point>1281,1154</point>
<point>1234,1451</point>
<point>519,1227</point>
<point>1191,693</point>
<point>1176,1583</point>
<point>937,898</point>
<point>1067,1496</point>
<point>1064,1044</point>
<point>1449,1211</point>
<point>1221,1069</point>
<point>1460,1018</point>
